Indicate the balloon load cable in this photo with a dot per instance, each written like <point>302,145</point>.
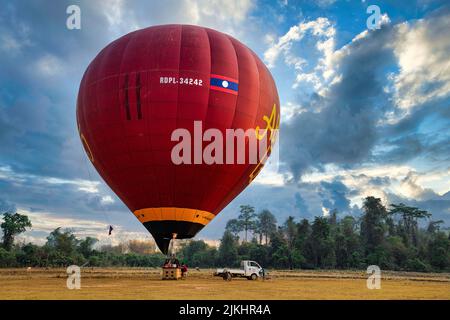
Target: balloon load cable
<point>103,210</point>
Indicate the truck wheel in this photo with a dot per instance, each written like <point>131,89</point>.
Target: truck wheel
<point>227,276</point>
<point>254,276</point>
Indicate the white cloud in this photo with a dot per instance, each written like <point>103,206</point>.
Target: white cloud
<point>7,174</point>
<point>9,43</point>
<point>403,180</point>
<point>325,3</point>
<point>234,10</point>
<point>289,110</point>
<point>107,200</point>
<point>47,222</point>
<point>120,17</point>
<point>421,48</point>
<point>113,11</point>
<point>88,186</point>
<point>12,42</point>
<point>49,65</point>
<point>269,177</point>
<point>282,45</point>
<point>321,29</point>
<point>82,185</point>
<point>227,16</point>
<point>410,188</point>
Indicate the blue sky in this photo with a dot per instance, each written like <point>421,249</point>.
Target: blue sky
<point>363,112</point>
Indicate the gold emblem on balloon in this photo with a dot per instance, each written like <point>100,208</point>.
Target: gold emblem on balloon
<point>271,129</point>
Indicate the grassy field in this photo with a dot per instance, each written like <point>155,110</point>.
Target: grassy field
<point>118,283</point>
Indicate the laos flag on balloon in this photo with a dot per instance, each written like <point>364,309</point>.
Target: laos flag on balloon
<point>224,84</point>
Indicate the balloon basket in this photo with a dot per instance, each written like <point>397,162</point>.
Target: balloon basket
<point>171,273</point>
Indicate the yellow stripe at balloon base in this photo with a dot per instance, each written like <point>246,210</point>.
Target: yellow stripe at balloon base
<point>174,214</point>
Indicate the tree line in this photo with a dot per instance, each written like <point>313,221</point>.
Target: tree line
<point>391,238</point>
<point>388,237</point>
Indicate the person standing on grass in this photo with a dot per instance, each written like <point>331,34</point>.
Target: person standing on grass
<point>184,270</point>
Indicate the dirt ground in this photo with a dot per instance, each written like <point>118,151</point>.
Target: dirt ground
<point>146,283</point>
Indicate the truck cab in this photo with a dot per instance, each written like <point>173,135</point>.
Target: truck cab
<point>251,268</point>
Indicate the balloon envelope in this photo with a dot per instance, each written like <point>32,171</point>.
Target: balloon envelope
<point>148,83</point>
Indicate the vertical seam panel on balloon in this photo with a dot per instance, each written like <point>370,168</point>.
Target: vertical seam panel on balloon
<point>119,76</point>
<point>147,108</point>
<point>101,68</point>
<point>176,112</point>
<point>238,95</point>
<point>207,110</point>
<point>256,116</point>
<point>259,90</point>
<point>236,103</point>
<point>257,111</point>
<point>237,100</point>
<point>196,169</point>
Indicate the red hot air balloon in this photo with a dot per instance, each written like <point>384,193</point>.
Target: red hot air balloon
<point>146,84</point>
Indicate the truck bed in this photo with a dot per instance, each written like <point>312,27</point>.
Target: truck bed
<point>219,272</point>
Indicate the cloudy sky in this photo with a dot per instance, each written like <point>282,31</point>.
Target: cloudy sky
<point>364,112</point>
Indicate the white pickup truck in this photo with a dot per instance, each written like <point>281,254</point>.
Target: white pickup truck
<point>249,269</point>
